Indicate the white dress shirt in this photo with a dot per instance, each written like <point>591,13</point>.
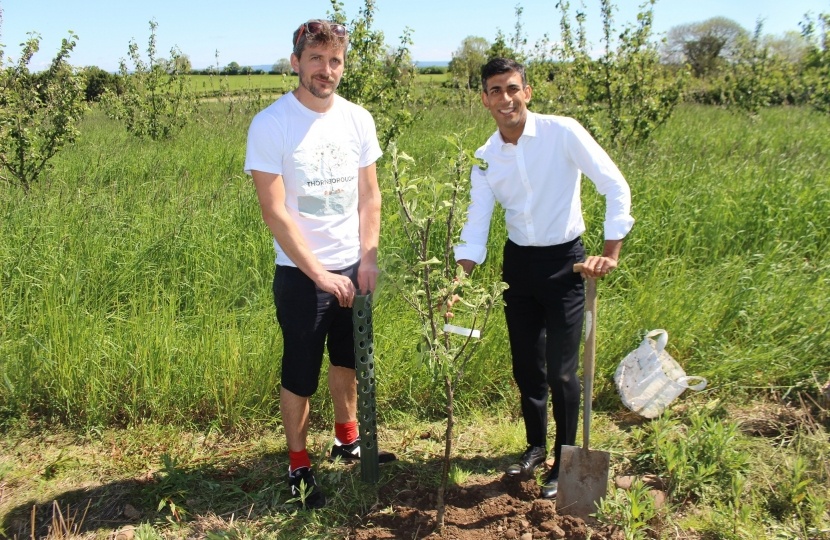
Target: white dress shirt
<point>537,182</point>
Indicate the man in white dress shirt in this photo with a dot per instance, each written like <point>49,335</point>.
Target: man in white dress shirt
<point>534,168</point>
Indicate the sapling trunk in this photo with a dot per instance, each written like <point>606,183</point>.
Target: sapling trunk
<point>445,468</point>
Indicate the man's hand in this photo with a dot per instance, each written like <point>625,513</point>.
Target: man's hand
<point>340,286</point>
<point>467,265</point>
<point>367,276</point>
<point>598,266</point>
<point>450,301</point>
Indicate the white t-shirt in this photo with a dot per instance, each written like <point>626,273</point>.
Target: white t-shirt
<point>537,182</point>
<point>318,156</point>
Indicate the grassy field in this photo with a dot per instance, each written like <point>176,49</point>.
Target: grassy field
<point>213,85</point>
<point>136,282</point>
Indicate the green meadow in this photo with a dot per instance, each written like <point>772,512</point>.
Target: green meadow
<point>136,292</point>
<point>136,275</point>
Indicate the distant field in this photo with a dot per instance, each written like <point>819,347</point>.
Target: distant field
<point>215,85</point>
<point>212,85</point>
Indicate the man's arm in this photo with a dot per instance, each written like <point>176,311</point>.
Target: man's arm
<point>598,166</point>
<point>473,247</point>
<point>270,191</point>
<point>368,208</point>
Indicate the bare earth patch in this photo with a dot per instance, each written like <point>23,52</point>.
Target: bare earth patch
<point>484,508</point>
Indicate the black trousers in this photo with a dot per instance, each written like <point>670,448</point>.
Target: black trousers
<point>544,311</point>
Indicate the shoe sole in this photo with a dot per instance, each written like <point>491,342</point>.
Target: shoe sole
<point>383,457</point>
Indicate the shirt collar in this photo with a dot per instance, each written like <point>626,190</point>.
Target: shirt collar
<point>529,130</point>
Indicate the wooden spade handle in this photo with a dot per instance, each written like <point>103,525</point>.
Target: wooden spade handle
<point>589,354</point>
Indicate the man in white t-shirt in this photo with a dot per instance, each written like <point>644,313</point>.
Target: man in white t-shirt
<point>534,167</point>
<point>312,157</point>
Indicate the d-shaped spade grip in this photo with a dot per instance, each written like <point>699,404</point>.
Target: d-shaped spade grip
<point>365,366</point>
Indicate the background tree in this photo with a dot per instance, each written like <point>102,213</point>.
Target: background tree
<point>467,60</point>
<point>514,50</point>
<point>282,67</point>
<point>182,64</point>
<point>156,102</point>
<point>232,68</point>
<point>817,77</point>
<point>621,97</point>
<point>519,39</point>
<point>39,112</point>
<point>705,45</point>
<point>750,79</point>
<point>377,77</point>
<point>98,81</point>
<point>500,49</point>
<point>791,47</point>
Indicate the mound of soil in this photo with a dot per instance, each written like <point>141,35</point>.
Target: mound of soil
<point>482,509</point>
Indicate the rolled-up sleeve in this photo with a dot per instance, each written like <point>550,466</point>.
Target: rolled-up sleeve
<point>474,235</point>
<point>618,219</point>
<point>598,166</point>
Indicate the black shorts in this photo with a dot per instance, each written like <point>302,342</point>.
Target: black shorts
<point>310,319</point>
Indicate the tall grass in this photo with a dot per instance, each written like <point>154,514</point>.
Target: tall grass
<point>729,252</point>
<point>136,277</point>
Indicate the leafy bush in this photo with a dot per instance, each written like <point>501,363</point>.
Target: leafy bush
<point>623,96</point>
<point>630,509</point>
<point>99,82</point>
<point>38,112</point>
<point>757,78</point>
<point>157,100</point>
<point>818,61</point>
<point>377,77</point>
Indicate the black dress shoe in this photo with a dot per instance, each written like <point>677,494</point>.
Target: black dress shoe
<point>551,486</point>
<point>532,458</point>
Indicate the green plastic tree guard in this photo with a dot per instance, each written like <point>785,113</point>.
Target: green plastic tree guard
<point>365,366</point>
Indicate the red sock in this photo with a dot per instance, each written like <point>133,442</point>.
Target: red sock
<point>298,459</point>
<point>346,433</point>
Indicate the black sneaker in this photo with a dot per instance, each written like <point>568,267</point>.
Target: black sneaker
<point>532,458</point>
<point>550,487</point>
<point>351,452</point>
<point>304,488</point>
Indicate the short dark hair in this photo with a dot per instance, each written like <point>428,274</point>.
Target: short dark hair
<point>325,37</point>
<point>497,66</point>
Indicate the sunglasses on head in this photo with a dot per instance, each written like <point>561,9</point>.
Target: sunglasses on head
<point>315,27</point>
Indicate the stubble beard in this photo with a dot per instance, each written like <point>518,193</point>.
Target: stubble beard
<point>316,91</point>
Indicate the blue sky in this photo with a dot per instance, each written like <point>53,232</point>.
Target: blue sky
<point>256,32</point>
